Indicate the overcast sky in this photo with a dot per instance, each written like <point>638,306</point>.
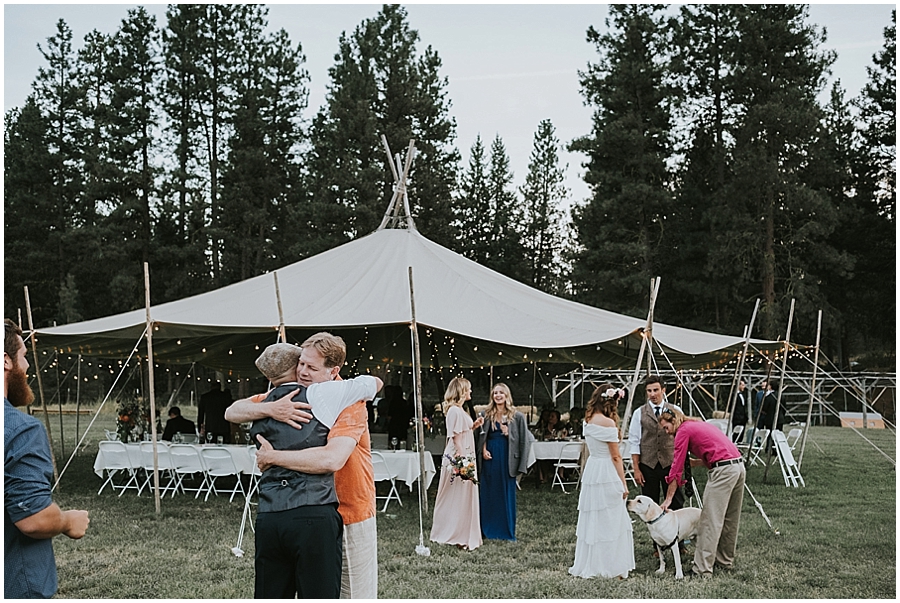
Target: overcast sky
<point>509,65</point>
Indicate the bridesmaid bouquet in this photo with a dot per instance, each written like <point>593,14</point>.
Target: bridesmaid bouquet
<point>462,467</point>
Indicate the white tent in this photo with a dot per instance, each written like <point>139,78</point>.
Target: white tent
<point>468,316</point>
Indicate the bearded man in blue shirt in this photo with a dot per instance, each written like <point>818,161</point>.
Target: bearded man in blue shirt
<point>30,518</point>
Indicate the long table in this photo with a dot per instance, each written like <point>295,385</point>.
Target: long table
<point>241,455</point>
<point>405,463</point>
<point>551,451</point>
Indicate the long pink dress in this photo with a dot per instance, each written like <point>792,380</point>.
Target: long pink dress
<point>457,519</point>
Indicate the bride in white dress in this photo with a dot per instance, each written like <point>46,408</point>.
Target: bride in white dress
<point>604,545</point>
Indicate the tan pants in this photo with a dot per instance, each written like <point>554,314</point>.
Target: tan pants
<point>720,517</point>
<point>359,575</point>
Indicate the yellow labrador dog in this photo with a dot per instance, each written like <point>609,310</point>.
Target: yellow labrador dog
<point>666,529</point>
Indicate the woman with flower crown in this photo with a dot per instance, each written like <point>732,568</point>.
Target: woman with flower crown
<point>456,510</point>
<point>604,545</point>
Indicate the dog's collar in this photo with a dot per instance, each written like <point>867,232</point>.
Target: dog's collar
<point>660,516</point>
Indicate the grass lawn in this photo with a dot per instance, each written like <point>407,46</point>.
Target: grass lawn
<point>837,540</point>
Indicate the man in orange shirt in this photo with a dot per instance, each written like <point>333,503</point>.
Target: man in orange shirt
<point>347,454</point>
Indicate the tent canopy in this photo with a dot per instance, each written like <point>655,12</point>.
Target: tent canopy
<point>468,316</point>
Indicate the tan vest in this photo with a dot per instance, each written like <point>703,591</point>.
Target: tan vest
<point>656,445</point>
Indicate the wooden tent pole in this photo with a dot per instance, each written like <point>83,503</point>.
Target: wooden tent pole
<point>420,432</point>
<point>812,392</point>
<point>37,372</point>
<point>281,334</point>
<point>152,390</point>
<point>78,401</point>
<point>787,349</point>
<point>421,549</point>
<point>732,399</point>
<point>645,336</point>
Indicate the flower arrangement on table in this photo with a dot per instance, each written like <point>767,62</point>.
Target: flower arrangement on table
<point>462,467</point>
<point>132,419</point>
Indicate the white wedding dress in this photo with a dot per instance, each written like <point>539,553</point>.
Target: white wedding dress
<point>604,545</point>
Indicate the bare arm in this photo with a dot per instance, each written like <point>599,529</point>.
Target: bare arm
<point>52,521</point>
<point>617,462</point>
<point>320,459</point>
<point>284,410</point>
<point>670,493</point>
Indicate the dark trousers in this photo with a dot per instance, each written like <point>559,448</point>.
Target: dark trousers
<point>298,553</point>
<point>655,485</point>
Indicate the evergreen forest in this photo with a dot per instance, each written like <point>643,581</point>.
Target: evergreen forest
<point>711,162</point>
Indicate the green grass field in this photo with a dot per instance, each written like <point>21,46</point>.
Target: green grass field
<point>837,540</point>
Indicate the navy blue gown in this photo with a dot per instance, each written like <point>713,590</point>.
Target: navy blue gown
<point>498,489</point>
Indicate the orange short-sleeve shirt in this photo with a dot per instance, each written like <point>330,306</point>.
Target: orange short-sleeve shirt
<point>354,483</point>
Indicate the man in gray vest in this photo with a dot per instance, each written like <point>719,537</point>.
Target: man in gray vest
<point>652,449</point>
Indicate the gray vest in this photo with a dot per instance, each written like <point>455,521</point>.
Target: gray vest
<point>656,445</point>
<point>281,489</point>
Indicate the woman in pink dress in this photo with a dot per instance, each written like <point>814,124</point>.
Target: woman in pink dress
<point>456,511</point>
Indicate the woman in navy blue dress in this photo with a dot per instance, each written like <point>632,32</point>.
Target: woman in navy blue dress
<point>502,452</point>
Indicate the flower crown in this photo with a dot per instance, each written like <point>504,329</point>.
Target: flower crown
<point>613,392</point>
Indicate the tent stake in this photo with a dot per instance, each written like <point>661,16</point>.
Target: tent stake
<point>421,549</point>
<point>787,349</point>
<point>812,391</point>
<point>152,390</point>
<point>37,372</point>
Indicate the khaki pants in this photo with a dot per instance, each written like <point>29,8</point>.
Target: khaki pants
<point>720,517</point>
<point>359,575</point>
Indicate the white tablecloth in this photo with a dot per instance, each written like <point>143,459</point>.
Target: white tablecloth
<point>239,454</point>
<point>551,451</point>
<point>406,464</point>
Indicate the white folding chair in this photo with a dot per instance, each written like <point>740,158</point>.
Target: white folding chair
<point>758,445</point>
<point>569,460</point>
<point>218,463</point>
<point>115,459</point>
<point>255,473</point>
<point>186,461</point>
<point>163,464</point>
<point>111,436</point>
<point>737,433</point>
<point>383,473</point>
<point>789,469</point>
<point>793,437</point>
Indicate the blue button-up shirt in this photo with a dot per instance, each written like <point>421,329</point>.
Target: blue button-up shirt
<point>29,568</point>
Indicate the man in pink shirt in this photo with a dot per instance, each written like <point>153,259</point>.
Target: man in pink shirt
<point>724,492</point>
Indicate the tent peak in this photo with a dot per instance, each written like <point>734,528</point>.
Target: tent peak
<point>398,214</point>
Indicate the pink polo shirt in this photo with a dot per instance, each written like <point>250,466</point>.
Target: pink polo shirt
<point>704,441</point>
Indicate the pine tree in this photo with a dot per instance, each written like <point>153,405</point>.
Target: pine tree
<point>29,214</point>
<point>699,272</point>
<point>61,100</point>
<point>871,233</point>
<point>133,120</point>
<point>180,232</point>
<point>476,213</point>
<point>507,254</point>
<point>379,85</point>
<point>775,217</point>
<point>620,229</point>
<point>542,194</point>
<point>270,93</point>
<point>216,54</point>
